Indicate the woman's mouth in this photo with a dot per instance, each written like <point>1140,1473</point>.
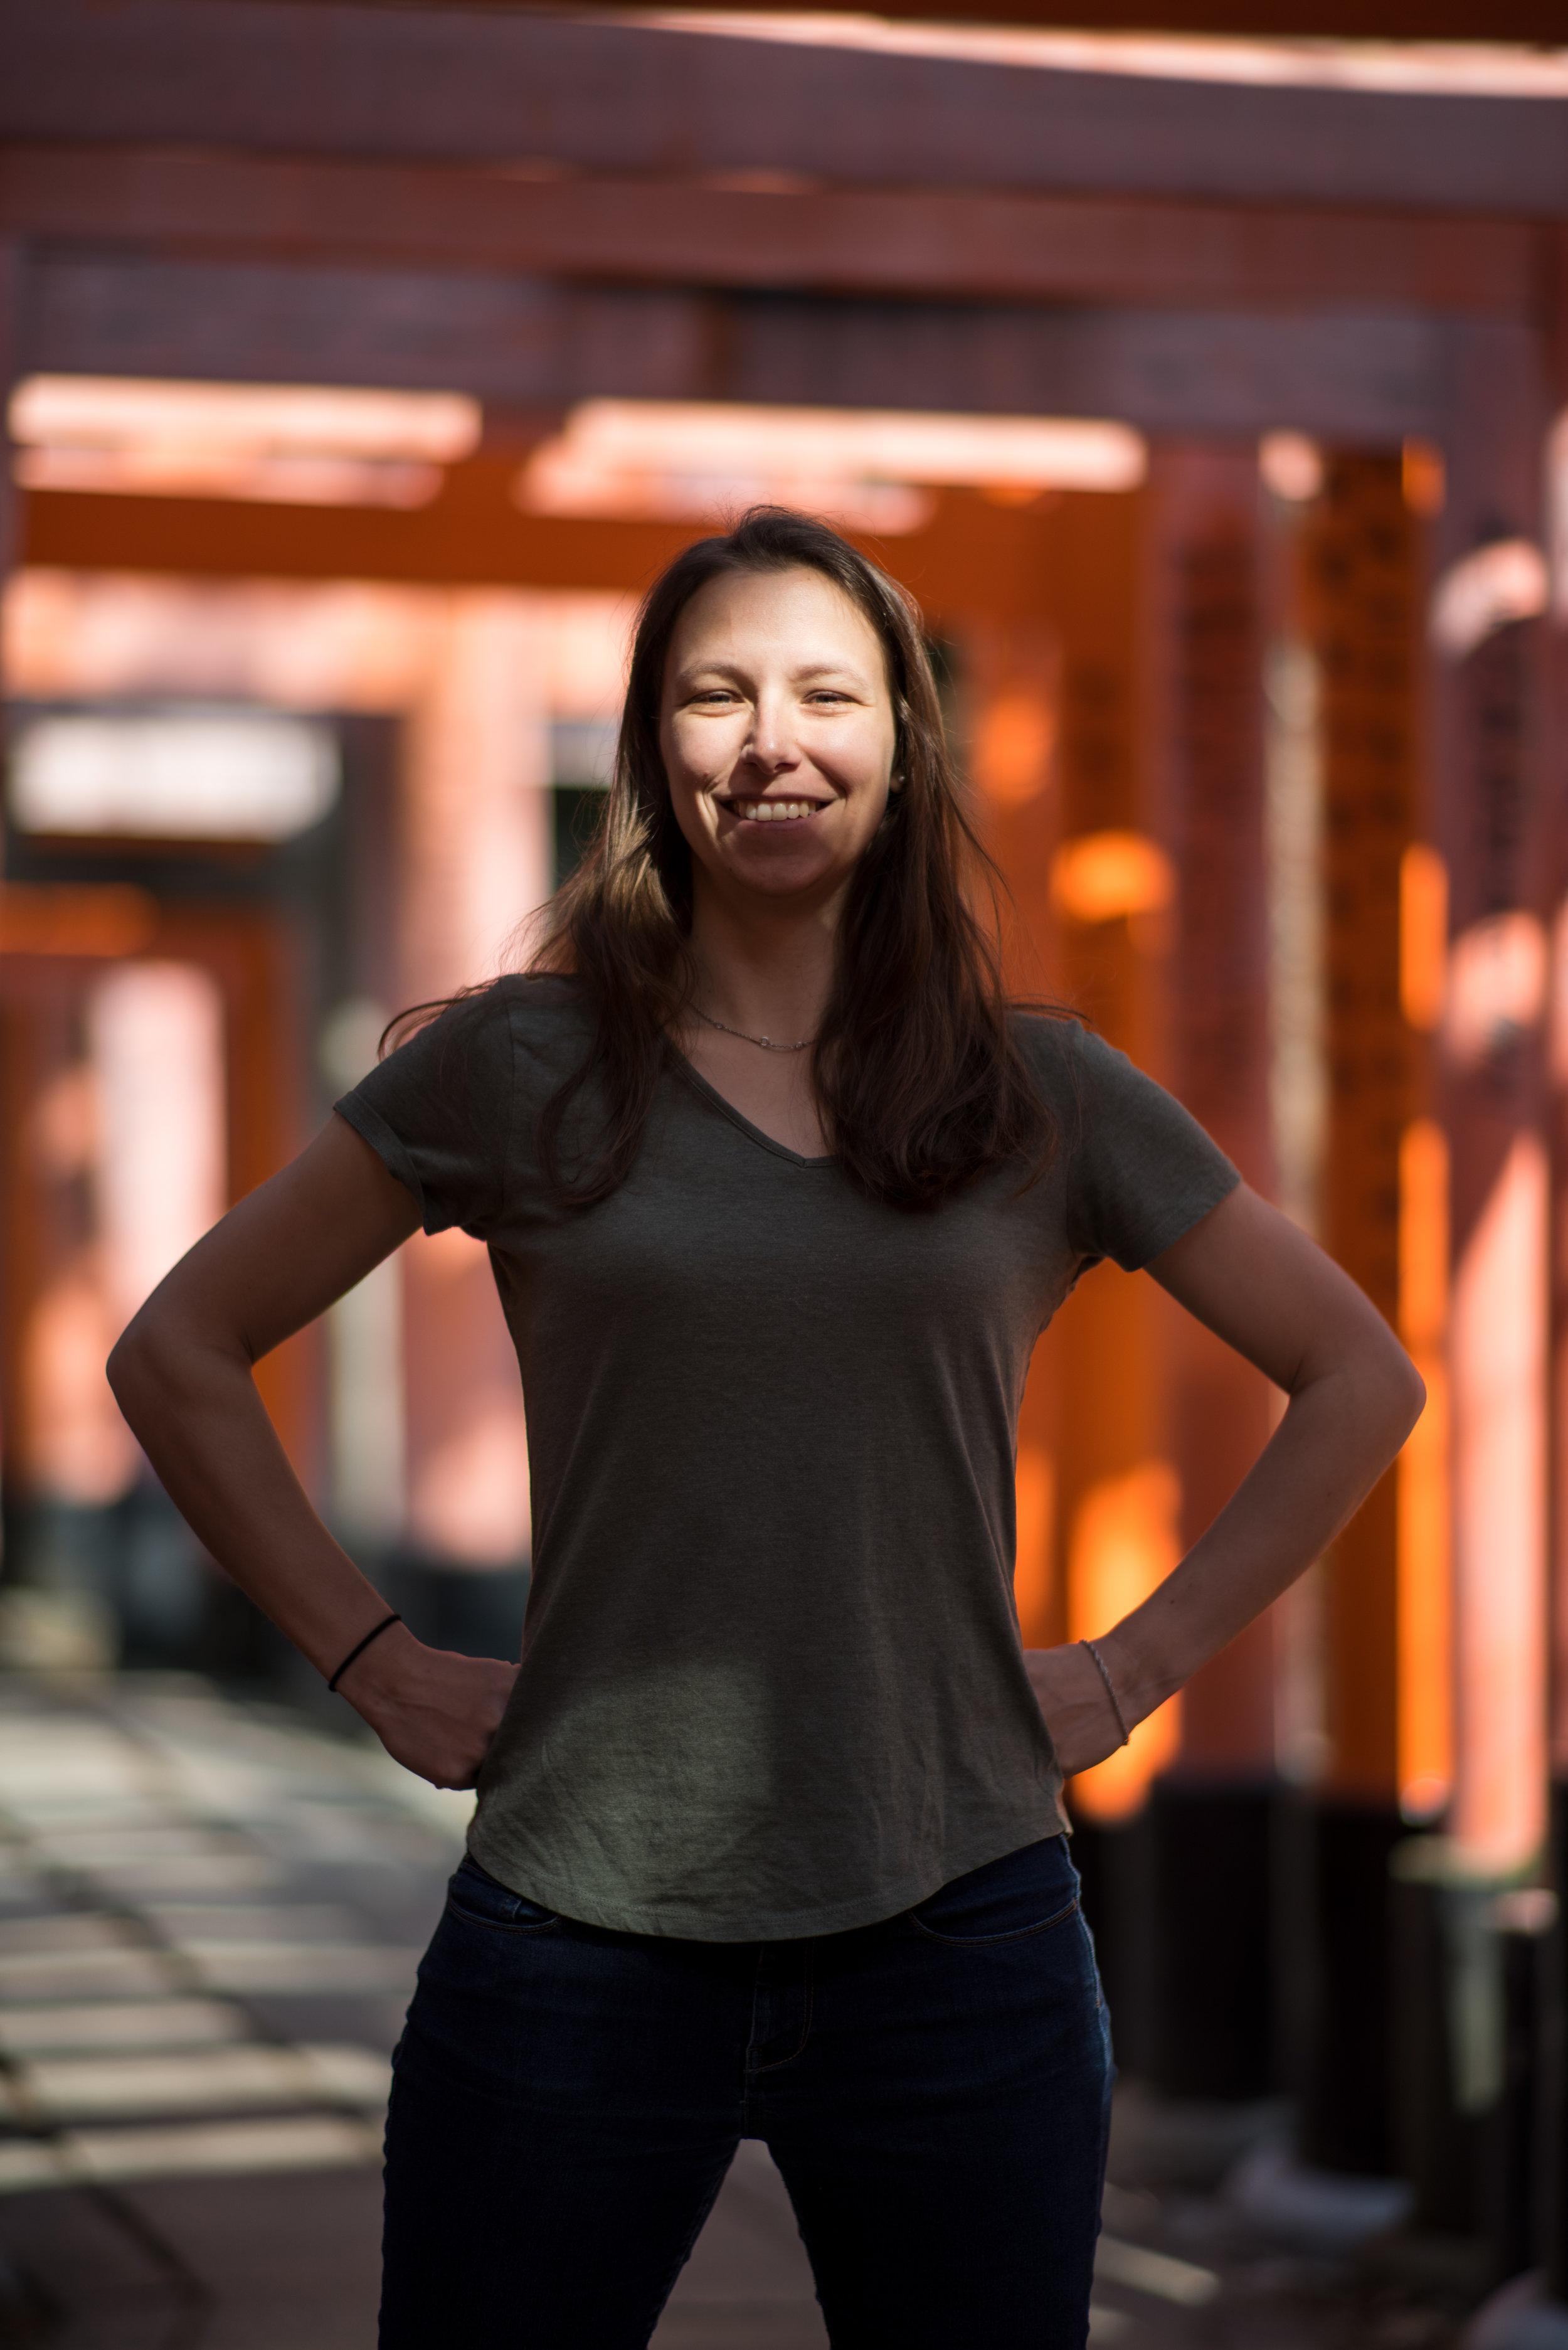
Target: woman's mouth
<point>772,811</point>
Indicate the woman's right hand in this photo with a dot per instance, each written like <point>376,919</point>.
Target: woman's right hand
<point>434,1711</point>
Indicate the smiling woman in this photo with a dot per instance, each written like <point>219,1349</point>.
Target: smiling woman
<point>775,669</point>
<point>779,1191</point>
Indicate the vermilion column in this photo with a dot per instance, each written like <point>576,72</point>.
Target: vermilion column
<point>1056,753</point>
<point>1119,1497</point>
<point>1012,718</point>
<point>1555,2248</point>
<point>473,864</point>
<point>1209,1871</point>
<point>1495,836</point>
<point>1206,751</point>
<point>1063,724</point>
<point>1361,616</point>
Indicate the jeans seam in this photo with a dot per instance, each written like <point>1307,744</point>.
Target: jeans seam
<point>993,1941</point>
<point>807,1993</point>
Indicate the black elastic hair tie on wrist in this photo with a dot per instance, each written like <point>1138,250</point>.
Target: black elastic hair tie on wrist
<point>359,1649</point>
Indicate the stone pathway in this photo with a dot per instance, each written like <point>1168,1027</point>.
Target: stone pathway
<point>210,1917</point>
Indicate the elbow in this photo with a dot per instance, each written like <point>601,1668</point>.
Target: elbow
<point>1413,1395</point>
<point>139,1368</point>
<point>167,1361</point>
<point>1402,1394</point>
<point>127,1368</point>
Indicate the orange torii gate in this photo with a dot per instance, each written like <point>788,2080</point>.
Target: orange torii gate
<point>536,210</point>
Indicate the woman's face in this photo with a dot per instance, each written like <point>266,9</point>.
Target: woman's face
<point>778,732</point>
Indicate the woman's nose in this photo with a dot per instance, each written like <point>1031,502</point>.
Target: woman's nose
<point>771,743</point>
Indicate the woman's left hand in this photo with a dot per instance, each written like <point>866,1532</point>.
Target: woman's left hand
<point>1249,1275</point>
<point>1073,1698</point>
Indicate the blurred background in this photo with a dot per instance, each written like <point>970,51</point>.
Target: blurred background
<point>1207,384</point>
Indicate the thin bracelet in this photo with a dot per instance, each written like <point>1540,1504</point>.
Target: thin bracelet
<point>384,1625</point>
<point>1110,1688</point>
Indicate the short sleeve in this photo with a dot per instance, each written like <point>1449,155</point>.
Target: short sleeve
<point>1140,1170</point>
<point>438,1113</point>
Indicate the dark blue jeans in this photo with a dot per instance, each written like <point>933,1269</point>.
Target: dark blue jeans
<point>935,2090</point>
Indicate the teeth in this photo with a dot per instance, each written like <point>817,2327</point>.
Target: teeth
<point>773,811</point>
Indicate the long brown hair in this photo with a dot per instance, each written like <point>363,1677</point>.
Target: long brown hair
<point>919,1079</point>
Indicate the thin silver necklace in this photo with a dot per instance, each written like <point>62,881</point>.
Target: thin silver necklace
<point>765,1042</point>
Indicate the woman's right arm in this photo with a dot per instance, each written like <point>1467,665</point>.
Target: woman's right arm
<point>182,1374</point>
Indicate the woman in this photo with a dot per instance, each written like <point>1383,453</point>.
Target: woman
<point>779,1193</point>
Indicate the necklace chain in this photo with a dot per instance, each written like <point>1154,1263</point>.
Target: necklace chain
<point>765,1042</point>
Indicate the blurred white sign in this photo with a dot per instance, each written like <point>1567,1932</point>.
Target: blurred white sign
<point>191,774</point>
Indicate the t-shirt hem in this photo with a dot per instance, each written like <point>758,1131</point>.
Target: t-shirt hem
<point>679,1923</point>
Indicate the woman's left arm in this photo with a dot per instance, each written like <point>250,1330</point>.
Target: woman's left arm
<point>1248,1273</point>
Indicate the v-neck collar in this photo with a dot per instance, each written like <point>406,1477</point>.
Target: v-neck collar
<point>711,1093</point>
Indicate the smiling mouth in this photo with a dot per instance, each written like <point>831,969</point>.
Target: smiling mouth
<point>772,811</point>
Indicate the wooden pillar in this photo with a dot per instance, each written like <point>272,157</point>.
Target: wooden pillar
<point>1207,740</point>
<point>1202,714</point>
<point>1360,615</point>
<point>1553,2250</point>
<point>474,862</point>
<point>1495,836</point>
<point>1118,1494</point>
<point>1362,610</point>
<point>1556,787</point>
<point>1012,693</point>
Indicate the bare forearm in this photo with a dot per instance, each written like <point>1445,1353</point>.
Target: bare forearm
<point>183,1377</point>
<point>1335,1439</point>
<point>1256,1281</point>
<point>205,1431</point>
<point>203,1427</point>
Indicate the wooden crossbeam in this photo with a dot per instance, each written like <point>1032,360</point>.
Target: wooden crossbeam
<point>493,546</point>
<point>619,94</point>
<point>966,244</point>
<point>1354,373</point>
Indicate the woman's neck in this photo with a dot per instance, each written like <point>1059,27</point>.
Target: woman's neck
<point>761,971</point>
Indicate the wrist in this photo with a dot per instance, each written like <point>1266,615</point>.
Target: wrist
<point>378,1664</point>
<point>1141,1675</point>
<point>1092,1649</point>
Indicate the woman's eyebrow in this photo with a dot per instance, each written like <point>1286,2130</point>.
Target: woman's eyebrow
<point>847,670</point>
<point>718,665</point>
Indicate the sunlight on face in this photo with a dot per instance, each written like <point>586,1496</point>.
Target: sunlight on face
<point>778,733</point>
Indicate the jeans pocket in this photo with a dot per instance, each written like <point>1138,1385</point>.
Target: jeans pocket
<point>1007,1900</point>
<point>475,1897</point>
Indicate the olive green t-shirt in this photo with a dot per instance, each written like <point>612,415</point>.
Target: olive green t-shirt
<point>771,1681</point>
